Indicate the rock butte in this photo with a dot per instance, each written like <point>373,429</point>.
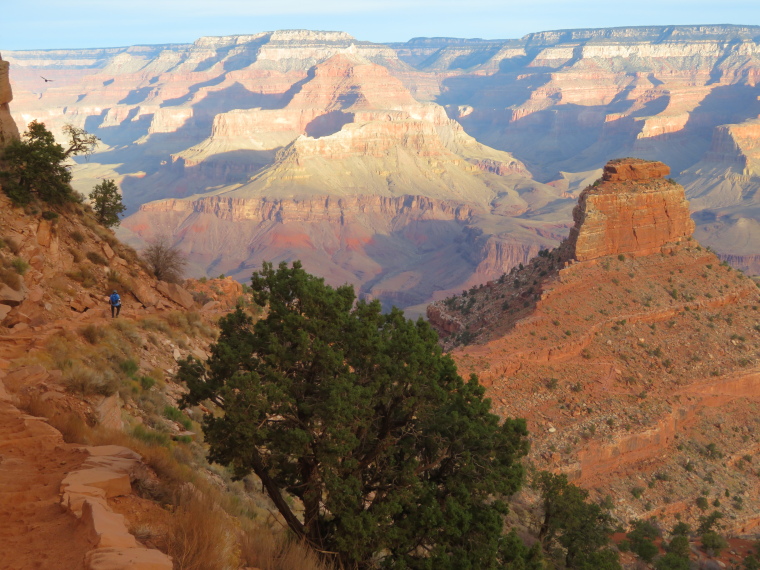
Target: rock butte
<point>633,210</point>
<point>627,357</point>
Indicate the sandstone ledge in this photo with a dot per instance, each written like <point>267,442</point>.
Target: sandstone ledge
<point>106,473</point>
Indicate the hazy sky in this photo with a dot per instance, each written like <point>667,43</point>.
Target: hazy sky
<point>42,24</point>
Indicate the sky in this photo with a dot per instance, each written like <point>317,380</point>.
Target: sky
<point>50,24</point>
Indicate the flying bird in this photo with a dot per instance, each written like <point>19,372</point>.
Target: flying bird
<point>47,80</point>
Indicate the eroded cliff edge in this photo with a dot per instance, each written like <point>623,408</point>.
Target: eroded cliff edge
<point>8,128</point>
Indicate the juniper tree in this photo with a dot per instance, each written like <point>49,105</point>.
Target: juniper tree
<point>106,203</point>
<point>396,460</point>
<point>34,165</point>
<point>571,524</point>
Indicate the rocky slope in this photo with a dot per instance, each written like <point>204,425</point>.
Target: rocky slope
<point>637,363</point>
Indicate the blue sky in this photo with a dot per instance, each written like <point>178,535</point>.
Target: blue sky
<point>46,24</point>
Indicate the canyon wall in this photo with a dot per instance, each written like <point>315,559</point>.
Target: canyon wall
<point>508,127</point>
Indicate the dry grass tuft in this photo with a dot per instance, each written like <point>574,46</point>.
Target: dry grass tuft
<point>92,333</point>
<point>72,427</point>
<point>10,277</point>
<point>264,549</point>
<point>202,536</point>
<point>81,379</point>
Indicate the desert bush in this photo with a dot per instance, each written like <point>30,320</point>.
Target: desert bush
<point>150,436</point>
<point>713,542</point>
<point>154,324</point>
<point>19,265</point>
<point>641,536</point>
<point>201,297</point>
<point>262,548</point>
<point>96,258</point>
<point>146,382</point>
<point>165,261</point>
<point>92,333</point>
<point>77,236</point>
<point>128,331</point>
<point>84,276</point>
<point>115,279</point>
<point>12,244</point>
<point>129,367</point>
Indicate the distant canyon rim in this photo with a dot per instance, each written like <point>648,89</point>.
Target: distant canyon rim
<point>413,170</point>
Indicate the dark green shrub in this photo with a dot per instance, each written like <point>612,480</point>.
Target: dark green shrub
<point>96,258</point>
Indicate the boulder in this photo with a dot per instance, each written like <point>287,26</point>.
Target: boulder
<point>9,296</point>
<point>4,310</point>
<point>108,252</point>
<point>74,495</point>
<point>144,294</point>
<point>103,528</point>
<point>8,128</point>
<point>83,302</point>
<point>109,413</point>
<point>44,233</point>
<point>25,376</point>
<point>176,293</point>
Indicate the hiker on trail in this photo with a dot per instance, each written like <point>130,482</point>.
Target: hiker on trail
<point>115,304</point>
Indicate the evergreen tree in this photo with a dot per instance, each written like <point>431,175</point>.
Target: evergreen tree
<point>396,459</point>
<point>106,202</point>
<point>568,520</point>
<point>34,165</point>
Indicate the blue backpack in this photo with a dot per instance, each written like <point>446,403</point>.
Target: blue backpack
<point>115,300</point>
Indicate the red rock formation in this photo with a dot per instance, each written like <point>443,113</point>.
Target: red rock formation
<point>622,169</point>
<point>8,129</point>
<point>634,210</point>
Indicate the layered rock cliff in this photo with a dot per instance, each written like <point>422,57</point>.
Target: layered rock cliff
<point>8,129</point>
<point>300,113</point>
<point>359,166</point>
<point>628,366</point>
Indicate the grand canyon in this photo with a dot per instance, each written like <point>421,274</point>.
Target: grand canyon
<point>409,170</point>
<point>611,302</point>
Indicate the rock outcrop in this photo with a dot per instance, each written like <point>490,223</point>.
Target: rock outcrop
<point>8,128</point>
<point>634,210</point>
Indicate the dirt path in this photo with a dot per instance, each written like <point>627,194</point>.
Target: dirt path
<point>35,532</point>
